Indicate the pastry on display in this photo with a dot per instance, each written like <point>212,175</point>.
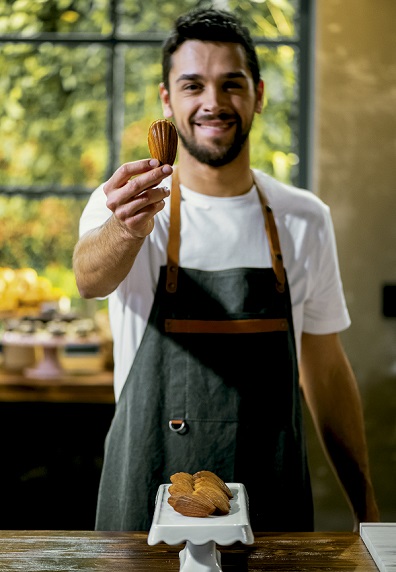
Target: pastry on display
<point>202,494</point>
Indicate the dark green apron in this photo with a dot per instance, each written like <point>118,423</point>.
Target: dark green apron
<point>214,386</point>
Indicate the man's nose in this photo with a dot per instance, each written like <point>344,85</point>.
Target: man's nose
<point>214,100</point>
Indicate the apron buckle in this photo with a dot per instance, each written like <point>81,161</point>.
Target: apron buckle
<point>177,425</point>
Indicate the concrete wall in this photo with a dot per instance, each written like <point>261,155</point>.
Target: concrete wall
<point>354,172</point>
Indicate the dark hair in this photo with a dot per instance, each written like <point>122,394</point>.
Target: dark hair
<point>209,25</point>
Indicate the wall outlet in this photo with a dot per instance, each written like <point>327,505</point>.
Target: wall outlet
<point>389,300</point>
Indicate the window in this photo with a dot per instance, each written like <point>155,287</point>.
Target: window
<point>78,90</point>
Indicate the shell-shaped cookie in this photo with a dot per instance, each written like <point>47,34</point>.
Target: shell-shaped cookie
<point>201,494</point>
<point>162,141</point>
<point>182,478</point>
<point>215,495</point>
<point>214,478</point>
<point>189,505</point>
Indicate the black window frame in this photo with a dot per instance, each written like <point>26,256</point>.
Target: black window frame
<point>303,45</point>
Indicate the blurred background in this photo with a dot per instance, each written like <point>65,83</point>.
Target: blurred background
<point>78,90</point>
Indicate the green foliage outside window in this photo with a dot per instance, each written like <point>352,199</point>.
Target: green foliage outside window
<point>71,112</point>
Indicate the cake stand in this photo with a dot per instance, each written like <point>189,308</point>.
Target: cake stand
<point>49,366</point>
<point>200,553</point>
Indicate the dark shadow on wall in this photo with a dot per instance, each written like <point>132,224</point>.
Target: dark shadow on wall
<point>331,509</point>
<point>51,459</point>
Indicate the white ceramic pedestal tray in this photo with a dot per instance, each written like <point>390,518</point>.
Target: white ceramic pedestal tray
<point>201,534</point>
<point>49,367</point>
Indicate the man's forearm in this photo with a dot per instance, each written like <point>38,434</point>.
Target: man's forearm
<point>340,425</point>
<point>347,453</point>
<point>103,257</point>
<point>333,399</point>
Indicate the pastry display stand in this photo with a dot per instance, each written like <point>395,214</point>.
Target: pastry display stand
<point>49,366</point>
<point>201,535</point>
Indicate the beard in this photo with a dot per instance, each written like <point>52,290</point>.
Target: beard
<point>218,154</point>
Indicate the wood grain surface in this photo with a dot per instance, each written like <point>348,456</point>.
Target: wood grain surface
<point>56,551</point>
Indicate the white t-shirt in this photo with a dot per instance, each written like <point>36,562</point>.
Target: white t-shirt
<point>220,233</point>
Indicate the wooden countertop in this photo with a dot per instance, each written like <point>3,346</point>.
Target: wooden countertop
<point>57,551</point>
<point>87,388</point>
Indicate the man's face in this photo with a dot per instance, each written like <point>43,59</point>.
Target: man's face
<point>212,99</point>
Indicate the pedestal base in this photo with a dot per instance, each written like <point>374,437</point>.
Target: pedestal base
<point>201,534</point>
<point>203,558</point>
<point>49,366</point>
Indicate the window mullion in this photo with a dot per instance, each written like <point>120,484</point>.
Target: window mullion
<point>115,116</point>
<point>305,111</point>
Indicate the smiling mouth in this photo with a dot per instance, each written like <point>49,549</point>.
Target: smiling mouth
<point>212,122</point>
<point>222,127</point>
<point>217,126</point>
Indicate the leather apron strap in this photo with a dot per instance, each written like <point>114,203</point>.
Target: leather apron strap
<point>221,326</point>
<point>174,235</point>
<point>273,239</point>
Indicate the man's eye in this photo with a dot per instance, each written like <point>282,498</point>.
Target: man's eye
<point>232,85</point>
<point>191,87</point>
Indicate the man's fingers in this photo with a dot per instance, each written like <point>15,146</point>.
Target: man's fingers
<point>144,202</point>
<point>150,169</point>
<point>139,224</point>
<point>135,186</point>
<point>135,196</point>
<point>128,170</point>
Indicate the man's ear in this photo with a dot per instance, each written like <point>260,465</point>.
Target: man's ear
<point>259,97</point>
<point>165,98</point>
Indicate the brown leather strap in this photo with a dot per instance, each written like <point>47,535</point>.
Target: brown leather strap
<point>174,235</point>
<point>252,326</point>
<point>273,239</point>
<point>174,238</point>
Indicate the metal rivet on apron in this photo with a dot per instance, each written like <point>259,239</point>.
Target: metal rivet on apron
<point>173,268</point>
<point>279,256</point>
<point>171,286</point>
<point>268,209</point>
<point>177,425</point>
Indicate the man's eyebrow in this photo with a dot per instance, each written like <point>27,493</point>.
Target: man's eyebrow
<point>236,75</point>
<point>195,76</point>
<point>189,77</point>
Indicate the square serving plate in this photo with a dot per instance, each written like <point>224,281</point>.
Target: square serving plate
<point>173,528</point>
<point>380,540</point>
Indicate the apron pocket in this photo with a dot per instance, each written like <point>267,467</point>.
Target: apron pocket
<point>207,445</point>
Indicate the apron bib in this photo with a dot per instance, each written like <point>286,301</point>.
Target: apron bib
<point>214,386</point>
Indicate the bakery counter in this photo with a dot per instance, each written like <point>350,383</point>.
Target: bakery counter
<point>42,366</point>
<point>69,387</point>
<point>52,448</point>
<point>34,551</point>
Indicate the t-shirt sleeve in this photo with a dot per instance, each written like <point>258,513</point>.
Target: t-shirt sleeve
<point>95,212</point>
<point>325,309</point>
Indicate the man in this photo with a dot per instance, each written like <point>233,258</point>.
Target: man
<point>215,315</point>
